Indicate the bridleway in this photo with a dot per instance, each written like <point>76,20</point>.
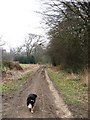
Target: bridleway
<point>49,103</point>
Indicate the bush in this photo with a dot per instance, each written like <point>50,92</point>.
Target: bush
<point>25,59</point>
<point>11,65</point>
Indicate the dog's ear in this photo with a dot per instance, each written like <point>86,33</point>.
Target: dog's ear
<point>36,96</point>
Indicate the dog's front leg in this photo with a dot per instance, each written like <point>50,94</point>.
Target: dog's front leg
<point>32,110</point>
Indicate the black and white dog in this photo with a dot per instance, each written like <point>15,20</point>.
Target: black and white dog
<point>31,101</point>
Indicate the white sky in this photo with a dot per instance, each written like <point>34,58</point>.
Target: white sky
<point>17,19</point>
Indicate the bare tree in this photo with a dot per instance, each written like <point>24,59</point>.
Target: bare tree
<point>31,41</point>
<point>1,42</point>
<point>69,31</point>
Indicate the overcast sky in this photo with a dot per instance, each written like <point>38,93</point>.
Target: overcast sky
<point>17,19</point>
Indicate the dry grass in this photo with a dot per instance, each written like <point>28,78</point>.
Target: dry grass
<point>85,78</point>
<point>82,77</point>
<point>16,76</point>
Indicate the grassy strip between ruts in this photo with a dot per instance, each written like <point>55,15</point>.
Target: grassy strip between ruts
<point>71,89</point>
<point>15,84</point>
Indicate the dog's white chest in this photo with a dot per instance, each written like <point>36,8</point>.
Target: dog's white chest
<point>29,106</point>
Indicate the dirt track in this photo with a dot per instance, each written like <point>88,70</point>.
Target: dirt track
<point>14,104</point>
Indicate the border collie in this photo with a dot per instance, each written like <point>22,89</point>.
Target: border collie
<point>31,101</point>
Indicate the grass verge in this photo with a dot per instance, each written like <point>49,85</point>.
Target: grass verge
<point>15,84</point>
<point>71,89</point>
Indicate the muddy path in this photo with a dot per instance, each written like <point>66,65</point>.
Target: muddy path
<point>14,104</point>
